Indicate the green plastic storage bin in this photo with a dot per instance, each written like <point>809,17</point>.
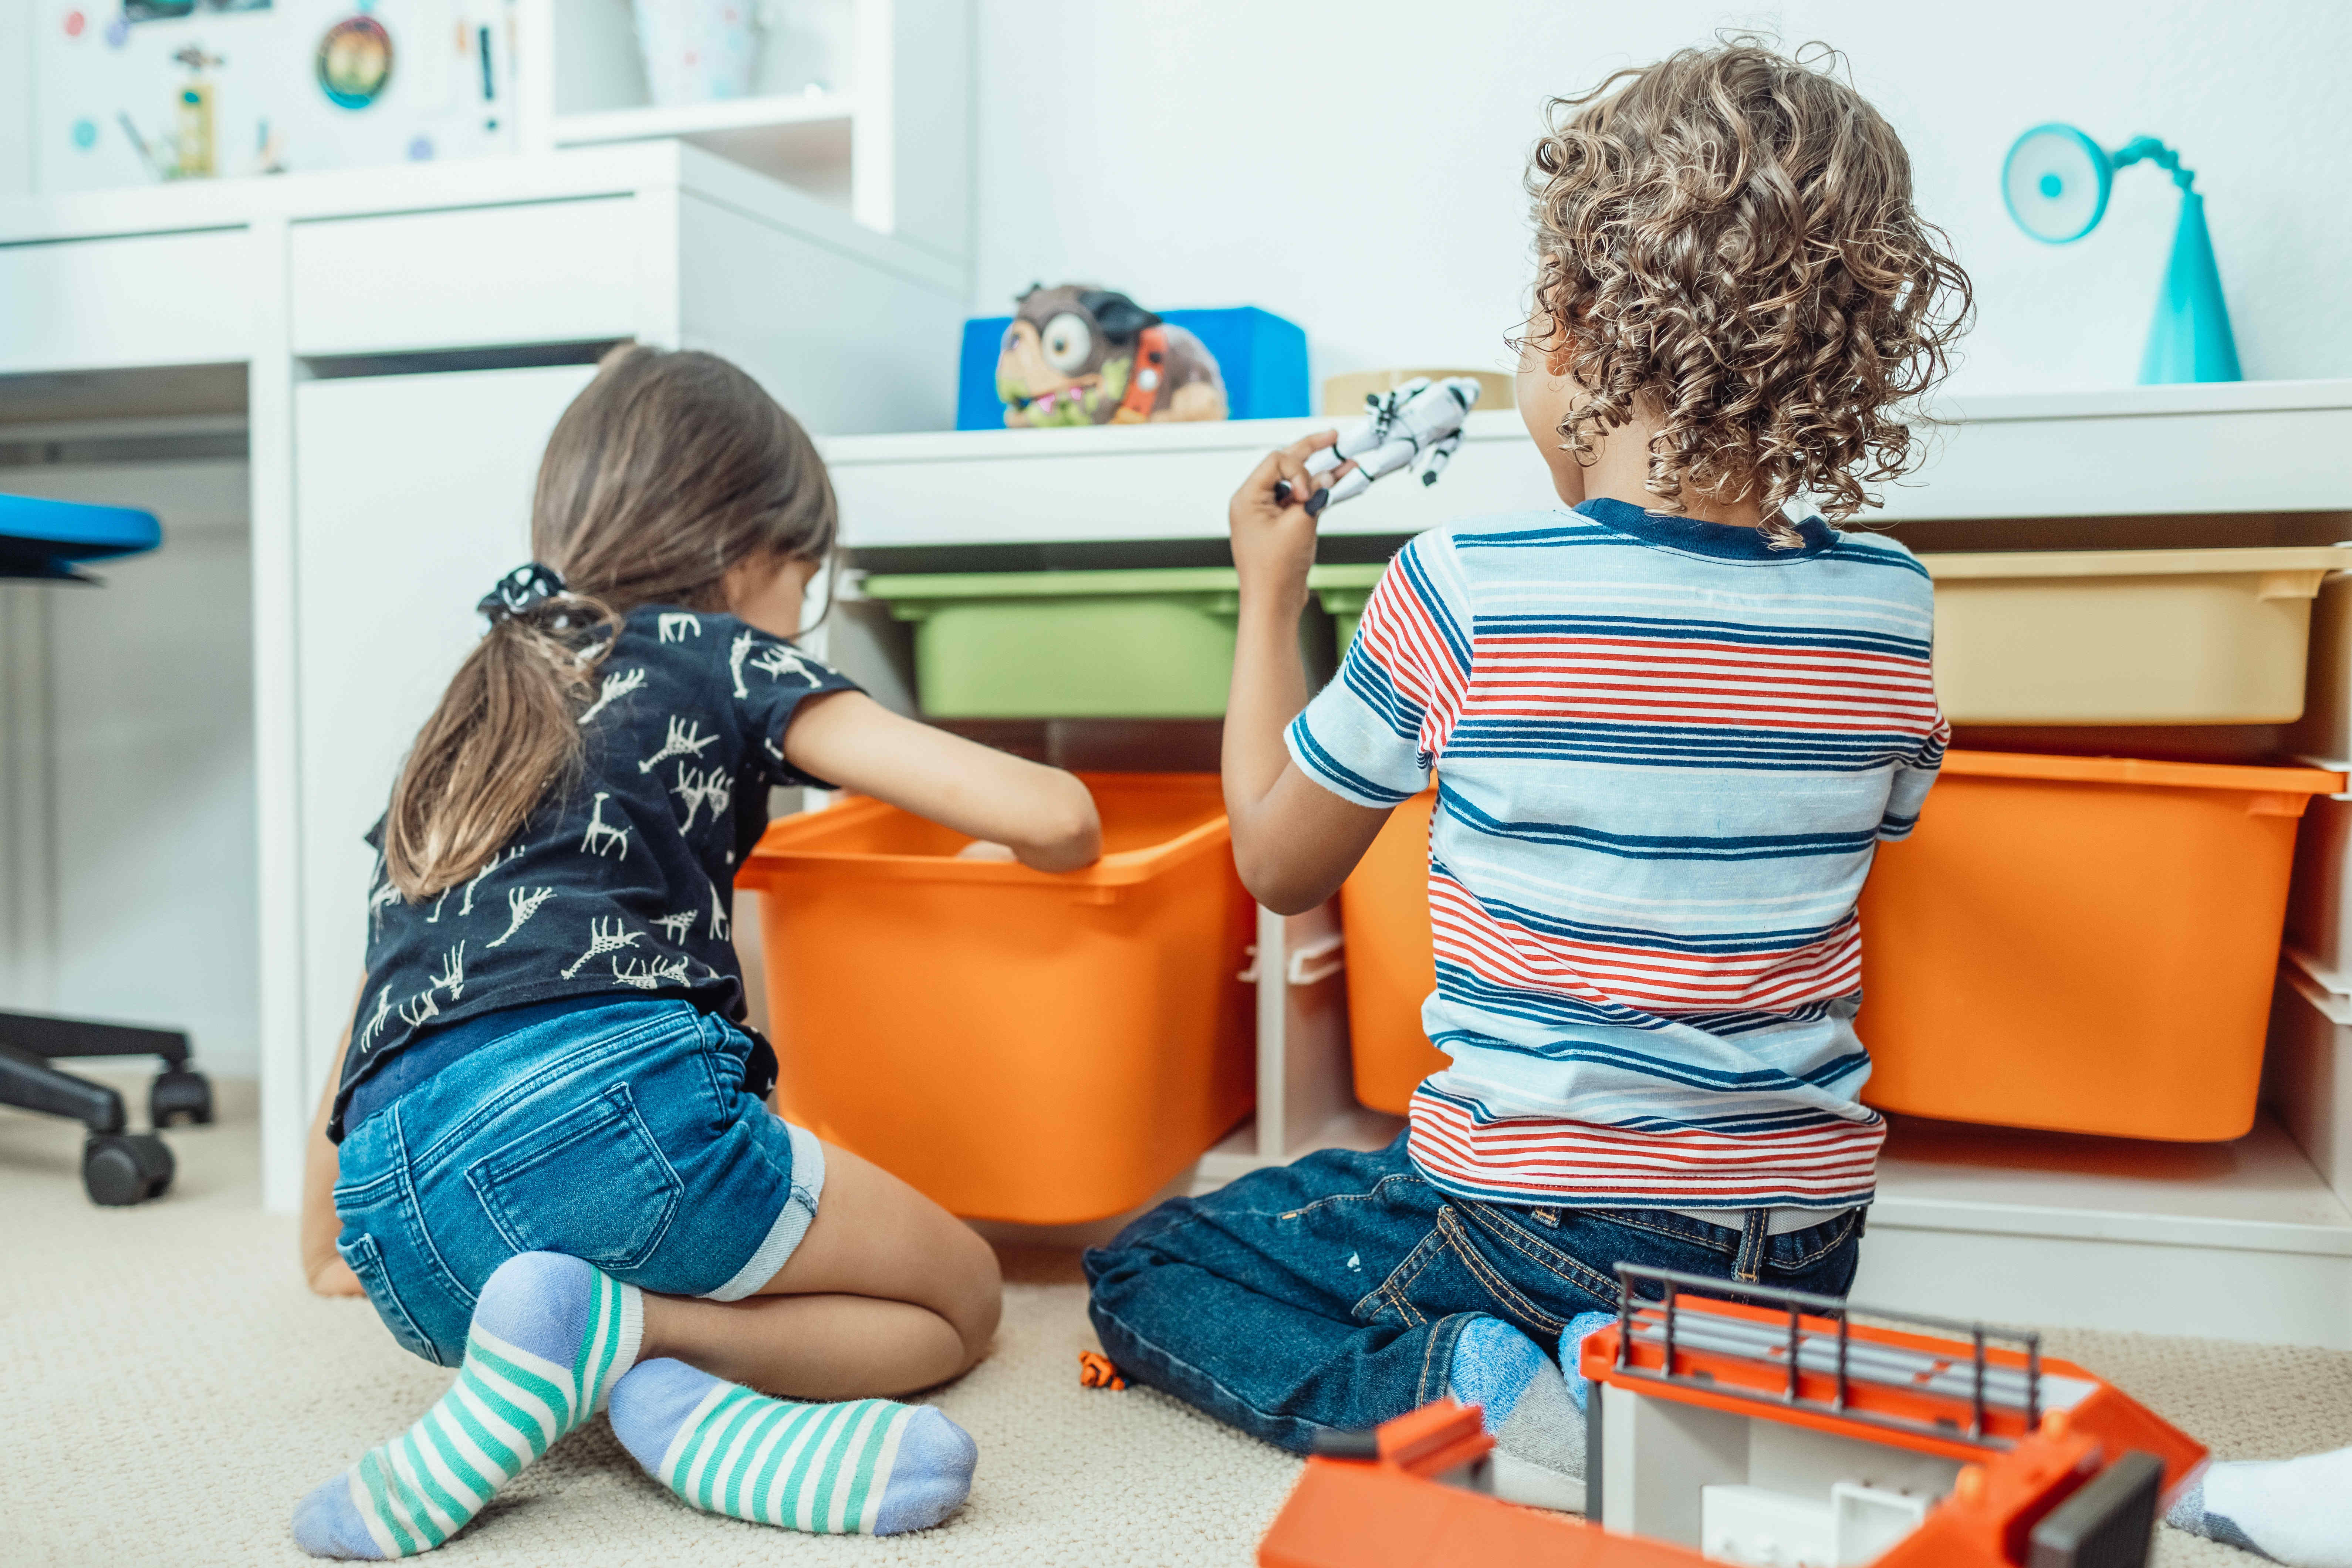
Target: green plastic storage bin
<point>1343,590</point>
<point>1156,644</point>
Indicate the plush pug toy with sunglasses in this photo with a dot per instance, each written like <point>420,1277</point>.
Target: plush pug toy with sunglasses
<point>1092,356</point>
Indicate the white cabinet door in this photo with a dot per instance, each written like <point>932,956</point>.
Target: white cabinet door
<point>412,494</point>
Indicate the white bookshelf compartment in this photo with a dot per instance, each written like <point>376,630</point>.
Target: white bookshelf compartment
<point>841,86</point>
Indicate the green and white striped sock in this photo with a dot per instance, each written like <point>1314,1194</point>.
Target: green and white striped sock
<point>550,1337</point>
<point>870,1467</point>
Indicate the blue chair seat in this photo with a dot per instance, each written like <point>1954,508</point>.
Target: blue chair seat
<point>49,537</point>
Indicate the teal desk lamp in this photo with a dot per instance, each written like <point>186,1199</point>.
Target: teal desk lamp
<point>2055,182</point>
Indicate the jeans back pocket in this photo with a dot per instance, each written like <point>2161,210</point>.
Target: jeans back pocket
<point>592,1184</point>
<point>366,1260</point>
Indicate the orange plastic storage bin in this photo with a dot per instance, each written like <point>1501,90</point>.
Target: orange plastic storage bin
<point>1023,1046</point>
<point>1392,969</point>
<point>2082,943</point>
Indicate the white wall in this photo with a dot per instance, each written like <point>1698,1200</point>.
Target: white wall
<point>1354,164</point>
<point>16,98</point>
<point>1355,167</point>
<point>147,892</point>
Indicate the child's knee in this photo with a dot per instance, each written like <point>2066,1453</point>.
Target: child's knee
<point>975,1297</point>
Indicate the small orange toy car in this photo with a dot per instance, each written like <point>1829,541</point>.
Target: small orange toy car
<point>1770,1432</point>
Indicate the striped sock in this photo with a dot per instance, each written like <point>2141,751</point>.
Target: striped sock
<point>868,1466</point>
<point>550,1337</point>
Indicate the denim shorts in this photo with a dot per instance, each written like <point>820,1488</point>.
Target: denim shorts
<point>620,1134</point>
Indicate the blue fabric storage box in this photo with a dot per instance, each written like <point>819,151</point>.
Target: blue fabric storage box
<point>1262,357</point>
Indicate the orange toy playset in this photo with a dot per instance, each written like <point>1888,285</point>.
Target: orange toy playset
<point>1770,1437</point>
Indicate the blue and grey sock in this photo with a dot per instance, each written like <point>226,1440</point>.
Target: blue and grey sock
<point>868,1466</point>
<point>1537,1430</point>
<point>2290,1510</point>
<point>1581,1328</point>
<point>550,1337</point>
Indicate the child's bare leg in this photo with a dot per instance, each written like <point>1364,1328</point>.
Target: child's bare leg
<point>886,1294</point>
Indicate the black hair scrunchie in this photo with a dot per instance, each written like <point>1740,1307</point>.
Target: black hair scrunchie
<point>519,591</point>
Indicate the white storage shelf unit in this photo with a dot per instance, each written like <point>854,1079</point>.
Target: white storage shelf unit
<point>1980,1221</point>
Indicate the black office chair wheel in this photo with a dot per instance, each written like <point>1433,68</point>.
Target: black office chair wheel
<point>119,1168</point>
<point>179,1092</point>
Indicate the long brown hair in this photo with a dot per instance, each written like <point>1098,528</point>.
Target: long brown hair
<point>1726,242</point>
<point>667,470</point>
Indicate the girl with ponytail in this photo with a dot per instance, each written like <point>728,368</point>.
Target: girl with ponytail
<point>545,1154</point>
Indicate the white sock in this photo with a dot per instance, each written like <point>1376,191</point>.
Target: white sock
<point>2296,1511</point>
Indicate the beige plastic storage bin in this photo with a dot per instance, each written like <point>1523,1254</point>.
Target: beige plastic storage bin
<point>2126,637</point>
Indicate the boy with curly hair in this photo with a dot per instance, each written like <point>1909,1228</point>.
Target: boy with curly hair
<point>1668,725</point>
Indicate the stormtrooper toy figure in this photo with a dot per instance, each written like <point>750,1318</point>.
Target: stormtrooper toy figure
<point>1418,424</point>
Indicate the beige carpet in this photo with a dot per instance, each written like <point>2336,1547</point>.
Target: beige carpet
<point>168,1388</point>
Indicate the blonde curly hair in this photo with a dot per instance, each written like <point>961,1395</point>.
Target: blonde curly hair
<point>1726,243</point>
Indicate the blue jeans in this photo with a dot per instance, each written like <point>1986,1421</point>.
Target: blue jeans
<point>620,1134</point>
<point>1329,1293</point>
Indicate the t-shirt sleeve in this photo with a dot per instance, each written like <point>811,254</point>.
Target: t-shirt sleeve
<point>768,678</point>
<point>1912,777</point>
<point>1372,735</point>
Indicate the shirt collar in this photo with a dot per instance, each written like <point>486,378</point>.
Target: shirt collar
<point>1726,542</point>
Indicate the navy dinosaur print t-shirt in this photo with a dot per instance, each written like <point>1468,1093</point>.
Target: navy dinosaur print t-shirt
<point>620,882</point>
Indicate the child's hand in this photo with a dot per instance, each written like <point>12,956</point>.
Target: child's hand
<point>1274,544</point>
<point>335,1277</point>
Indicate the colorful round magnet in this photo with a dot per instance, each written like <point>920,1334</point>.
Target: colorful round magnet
<point>354,62</point>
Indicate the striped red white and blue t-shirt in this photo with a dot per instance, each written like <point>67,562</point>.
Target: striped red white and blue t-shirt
<point>1666,753</point>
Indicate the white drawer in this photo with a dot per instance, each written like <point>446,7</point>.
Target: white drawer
<point>141,299</point>
<point>476,276</point>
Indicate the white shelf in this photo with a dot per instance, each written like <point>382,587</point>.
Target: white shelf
<point>2240,1241</point>
<point>2258,1193</point>
<point>1239,1152</point>
<point>864,104</point>
<point>694,120</point>
<point>2243,446</point>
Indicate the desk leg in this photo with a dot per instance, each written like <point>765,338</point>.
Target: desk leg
<point>291,1066</point>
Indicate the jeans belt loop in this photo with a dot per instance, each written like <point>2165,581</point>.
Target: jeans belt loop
<point>1755,1234</point>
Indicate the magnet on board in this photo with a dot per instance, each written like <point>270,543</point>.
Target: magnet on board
<point>354,62</point>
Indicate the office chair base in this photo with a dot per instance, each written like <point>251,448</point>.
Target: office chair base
<point>178,1092</point>
<point>117,1166</point>
<point>123,1168</point>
